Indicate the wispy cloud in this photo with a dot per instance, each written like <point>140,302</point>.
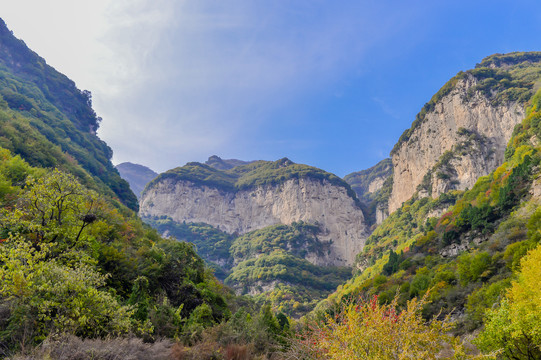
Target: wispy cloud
<point>179,80</point>
<point>386,108</point>
<point>209,75</point>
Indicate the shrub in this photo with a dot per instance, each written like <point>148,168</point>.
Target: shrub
<point>69,347</point>
<point>515,327</point>
<point>370,330</point>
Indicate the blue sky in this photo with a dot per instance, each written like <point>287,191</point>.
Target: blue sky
<point>331,84</point>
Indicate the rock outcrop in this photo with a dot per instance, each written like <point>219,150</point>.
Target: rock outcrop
<point>240,210</point>
<point>461,138</point>
<point>373,187</point>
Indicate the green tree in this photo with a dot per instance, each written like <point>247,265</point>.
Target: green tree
<point>54,208</point>
<point>515,327</point>
<point>392,265</point>
<point>46,296</point>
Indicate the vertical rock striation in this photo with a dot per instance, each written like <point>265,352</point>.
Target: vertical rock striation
<point>462,138</point>
<point>238,211</point>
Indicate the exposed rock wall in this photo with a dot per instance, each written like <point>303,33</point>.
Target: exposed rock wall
<point>373,188</point>
<point>312,201</point>
<point>442,131</point>
<point>376,184</point>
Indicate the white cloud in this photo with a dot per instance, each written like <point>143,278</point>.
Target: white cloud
<point>178,80</point>
<point>205,79</point>
<point>64,32</point>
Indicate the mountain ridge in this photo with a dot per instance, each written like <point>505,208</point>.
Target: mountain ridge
<point>51,123</point>
<point>138,176</point>
<point>473,115</point>
<point>257,195</point>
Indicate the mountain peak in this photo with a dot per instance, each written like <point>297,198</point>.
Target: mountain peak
<point>224,164</point>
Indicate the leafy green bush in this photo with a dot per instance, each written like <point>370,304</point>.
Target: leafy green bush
<point>71,262</point>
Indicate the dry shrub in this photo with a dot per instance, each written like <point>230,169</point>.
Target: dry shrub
<point>212,351</point>
<point>237,352</point>
<point>70,347</point>
<point>201,351</point>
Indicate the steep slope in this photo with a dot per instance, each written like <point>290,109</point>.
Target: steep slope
<point>261,194</point>
<point>73,259</point>
<point>136,175</point>
<point>51,123</point>
<point>464,245</point>
<point>373,187</point>
<point>461,134</point>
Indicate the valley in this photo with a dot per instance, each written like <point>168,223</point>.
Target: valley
<point>437,245</point>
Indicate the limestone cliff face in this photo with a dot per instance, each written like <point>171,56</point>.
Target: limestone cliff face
<point>373,188</point>
<point>310,200</point>
<point>376,184</point>
<point>468,130</point>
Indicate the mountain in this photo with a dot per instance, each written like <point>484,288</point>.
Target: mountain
<point>461,134</point>
<point>136,175</point>
<point>76,260</point>
<point>465,225</point>
<point>284,233</point>
<point>373,187</point>
<point>50,123</point>
<point>261,194</point>
<point>224,164</point>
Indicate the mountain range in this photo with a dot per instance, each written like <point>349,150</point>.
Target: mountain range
<point>459,136</point>
<point>448,217</point>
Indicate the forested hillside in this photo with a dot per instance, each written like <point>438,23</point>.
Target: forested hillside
<point>51,123</point>
<point>270,264</point>
<point>81,275</point>
<point>465,252</point>
<point>73,263</point>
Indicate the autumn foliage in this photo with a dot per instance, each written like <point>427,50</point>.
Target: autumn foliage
<point>514,327</point>
<point>369,330</point>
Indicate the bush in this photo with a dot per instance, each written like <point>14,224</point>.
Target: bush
<point>69,347</point>
<point>472,267</point>
<point>370,330</point>
<point>515,327</point>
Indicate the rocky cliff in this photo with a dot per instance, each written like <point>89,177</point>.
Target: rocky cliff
<point>373,187</point>
<point>462,133</point>
<point>258,195</point>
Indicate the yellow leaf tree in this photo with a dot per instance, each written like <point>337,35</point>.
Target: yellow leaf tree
<point>368,330</point>
<point>515,327</point>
